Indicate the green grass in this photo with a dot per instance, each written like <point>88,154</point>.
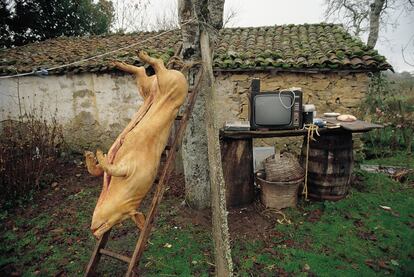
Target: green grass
<point>398,159</point>
<point>58,240</point>
<point>350,235</point>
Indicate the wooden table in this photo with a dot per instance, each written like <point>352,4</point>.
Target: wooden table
<point>237,154</point>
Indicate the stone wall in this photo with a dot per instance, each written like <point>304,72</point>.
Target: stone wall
<point>337,92</point>
<point>95,108</point>
<point>92,108</point>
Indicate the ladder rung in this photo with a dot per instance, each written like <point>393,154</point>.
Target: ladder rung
<point>115,255</point>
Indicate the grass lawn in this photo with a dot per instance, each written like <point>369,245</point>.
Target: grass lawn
<point>400,159</point>
<point>353,237</point>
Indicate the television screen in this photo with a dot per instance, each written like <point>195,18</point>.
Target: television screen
<point>270,111</point>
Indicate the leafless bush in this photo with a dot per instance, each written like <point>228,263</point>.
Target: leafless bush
<point>29,149</point>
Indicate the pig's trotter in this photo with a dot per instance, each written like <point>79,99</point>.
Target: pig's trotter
<point>157,64</point>
<point>91,165</point>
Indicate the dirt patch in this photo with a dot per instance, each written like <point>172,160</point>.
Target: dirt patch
<point>72,178</point>
<point>248,223</point>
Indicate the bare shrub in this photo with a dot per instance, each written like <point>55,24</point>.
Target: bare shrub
<point>29,149</point>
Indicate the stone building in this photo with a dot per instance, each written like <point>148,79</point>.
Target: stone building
<point>94,101</point>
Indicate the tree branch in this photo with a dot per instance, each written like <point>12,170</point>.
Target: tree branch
<point>403,49</point>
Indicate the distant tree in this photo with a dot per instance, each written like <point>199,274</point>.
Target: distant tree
<point>36,20</point>
<point>130,16</point>
<point>376,8</point>
<point>167,19</point>
<point>4,22</point>
<point>364,16</point>
<point>230,15</point>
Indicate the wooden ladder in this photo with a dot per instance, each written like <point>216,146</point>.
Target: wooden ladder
<point>177,134</point>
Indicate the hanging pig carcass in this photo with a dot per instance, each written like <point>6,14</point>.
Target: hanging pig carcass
<point>132,162</point>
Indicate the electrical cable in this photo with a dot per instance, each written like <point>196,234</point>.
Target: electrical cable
<point>293,100</point>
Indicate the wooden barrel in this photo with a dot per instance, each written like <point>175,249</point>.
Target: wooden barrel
<point>330,166</point>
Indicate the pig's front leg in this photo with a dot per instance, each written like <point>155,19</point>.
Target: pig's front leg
<point>111,169</point>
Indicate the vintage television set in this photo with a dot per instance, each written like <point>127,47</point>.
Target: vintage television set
<point>275,110</point>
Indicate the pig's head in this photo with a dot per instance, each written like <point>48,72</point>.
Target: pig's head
<point>105,217</point>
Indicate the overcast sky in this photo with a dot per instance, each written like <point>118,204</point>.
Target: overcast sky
<point>278,12</point>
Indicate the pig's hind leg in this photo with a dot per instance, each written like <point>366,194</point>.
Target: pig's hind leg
<point>144,82</point>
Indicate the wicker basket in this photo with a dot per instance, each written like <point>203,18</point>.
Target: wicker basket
<point>283,168</point>
<point>278,195</point>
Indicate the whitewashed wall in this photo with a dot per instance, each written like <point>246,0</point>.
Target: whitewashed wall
<point>92,108</point>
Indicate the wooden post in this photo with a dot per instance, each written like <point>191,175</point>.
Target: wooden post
<point>237,161</point>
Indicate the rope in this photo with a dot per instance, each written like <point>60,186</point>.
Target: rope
<point>45,71</point>
<point>271,213</point>
<point>312,129</point>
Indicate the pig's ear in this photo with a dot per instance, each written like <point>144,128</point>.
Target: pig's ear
<point>139,219</point>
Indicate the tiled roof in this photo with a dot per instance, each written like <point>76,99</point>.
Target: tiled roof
<point>287,47</point>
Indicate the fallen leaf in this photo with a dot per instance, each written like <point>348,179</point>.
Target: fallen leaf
<point>385,208</point>
<point>271,251</point>
<point>167,245</point>
<point>395,263</point>
<point>355,266</point>
<point>57,231</point>
<point>367,236</point>
<point>382,264</point>
<point>396,214</point>
<point>358,223</point>
<point>371,264</point>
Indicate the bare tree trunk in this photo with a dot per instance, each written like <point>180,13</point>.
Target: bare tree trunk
<point>374,21</point>
<point>194,148</point>
<point>211,12</point>
<point>189,31</point>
